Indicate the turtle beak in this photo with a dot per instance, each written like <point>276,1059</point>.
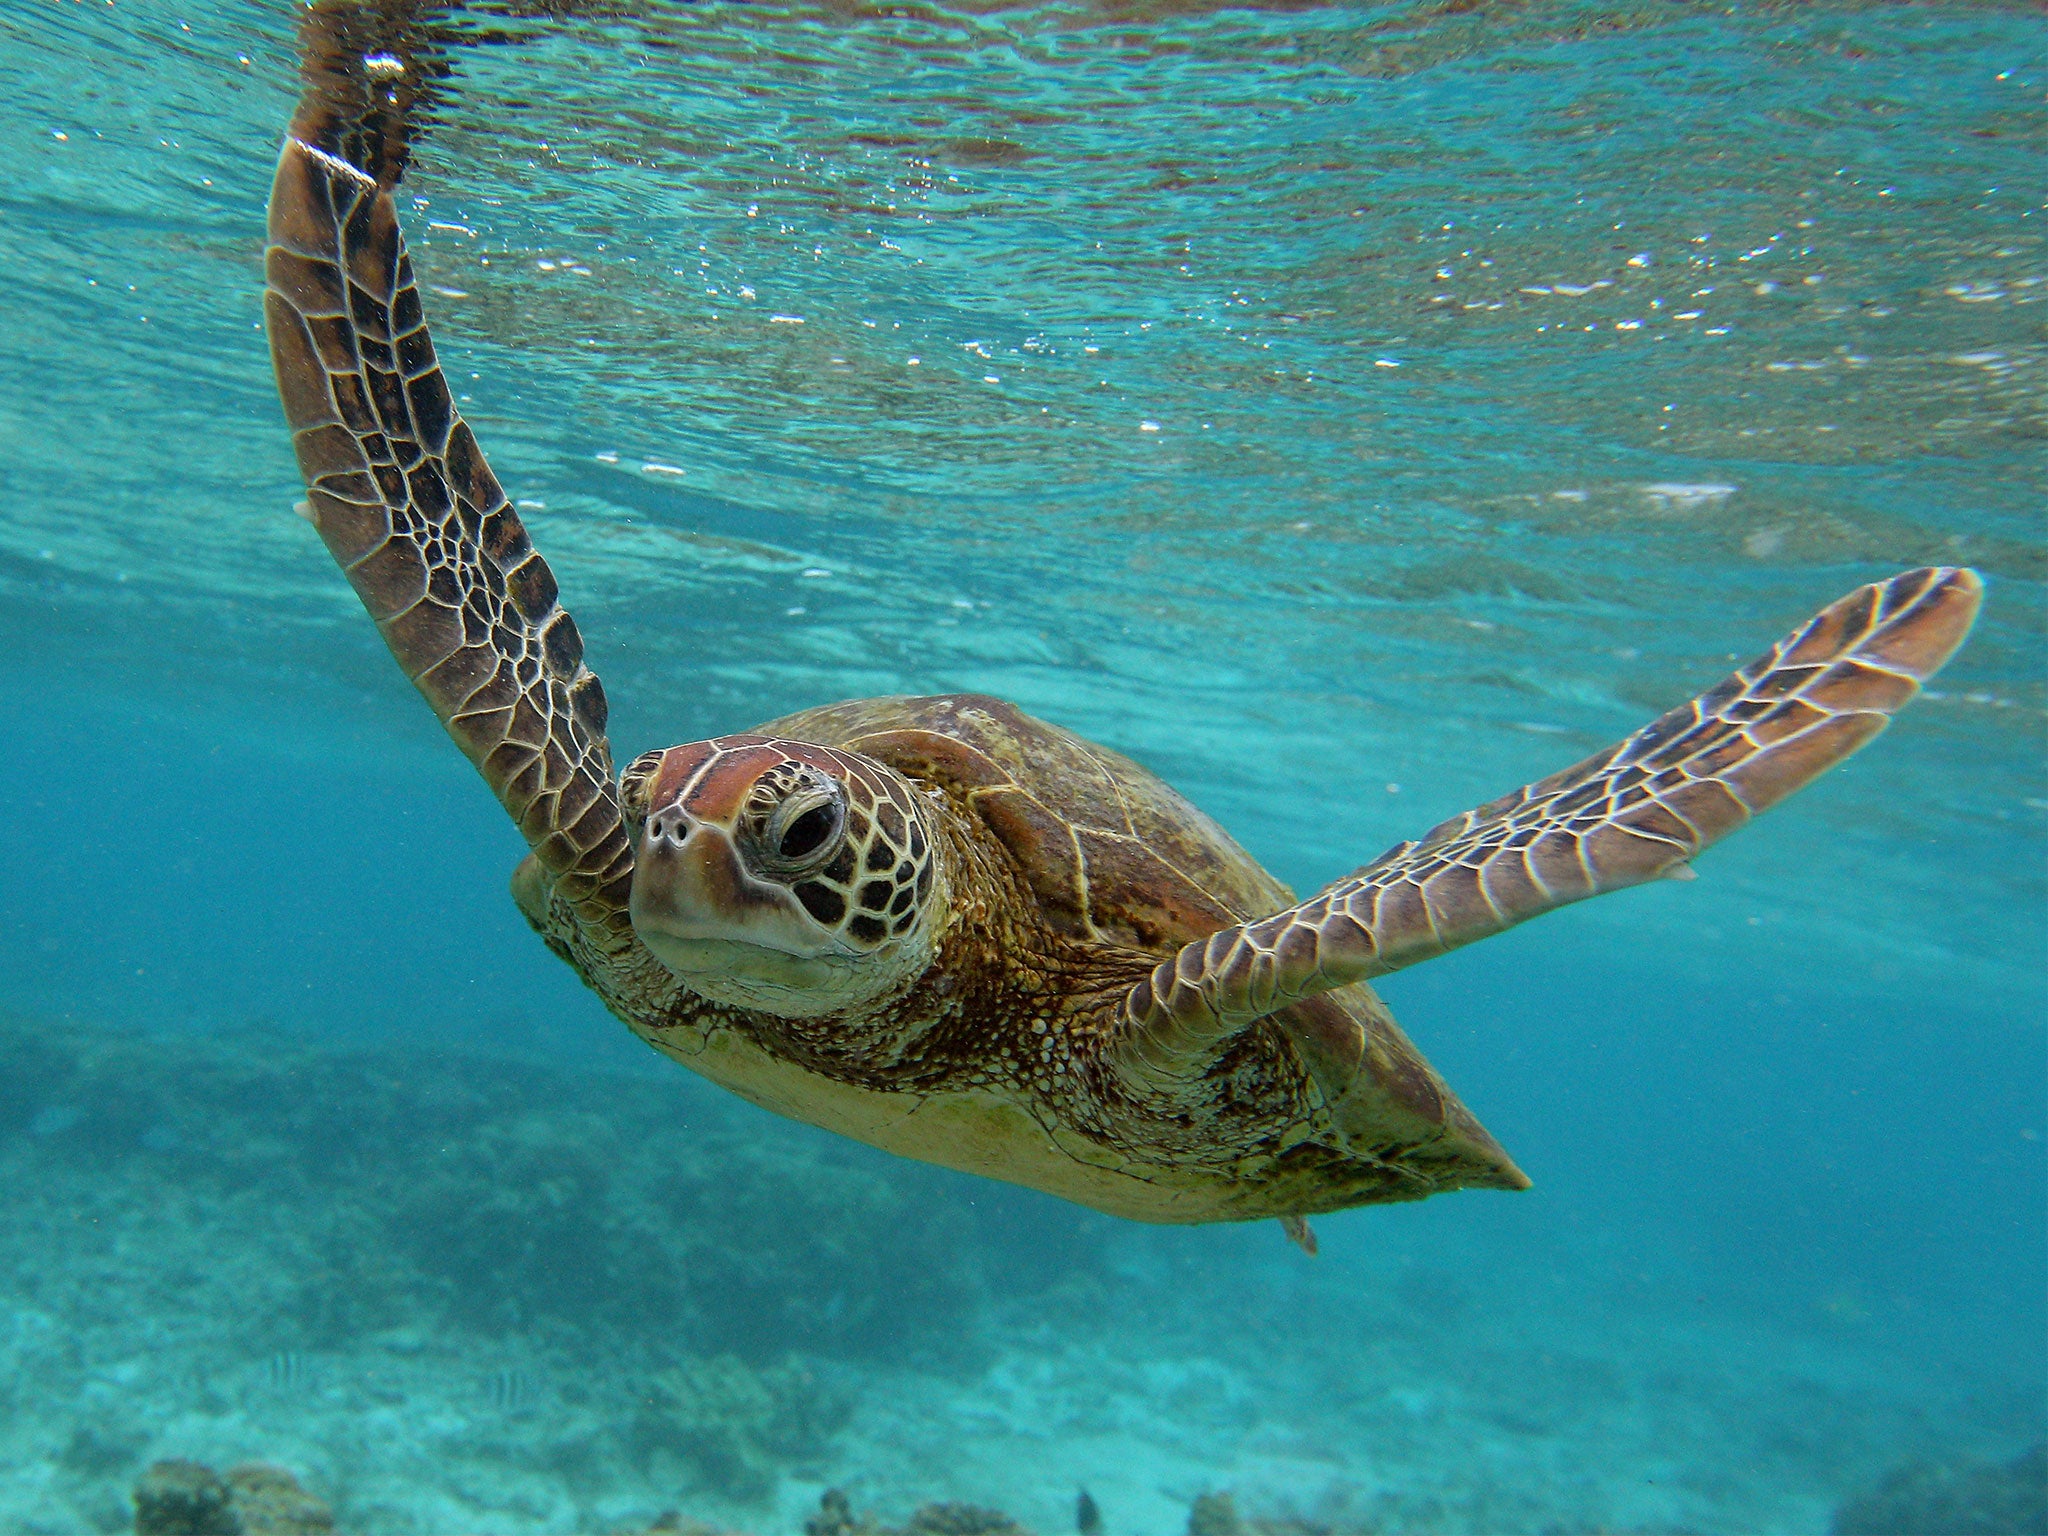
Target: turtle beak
<point>692,894</point>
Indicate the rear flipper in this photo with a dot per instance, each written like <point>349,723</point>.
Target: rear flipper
<point>1639,810</point>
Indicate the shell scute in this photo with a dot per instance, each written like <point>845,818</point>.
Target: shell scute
<point>1107,848</point>
<point>1147,903</point>
<point>1045,851</point>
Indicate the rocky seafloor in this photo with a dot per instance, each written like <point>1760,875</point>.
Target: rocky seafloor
<point>396,1289</point>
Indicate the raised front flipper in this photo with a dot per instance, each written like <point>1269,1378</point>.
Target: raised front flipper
<point>400,491</point>
<point>1639,810</point>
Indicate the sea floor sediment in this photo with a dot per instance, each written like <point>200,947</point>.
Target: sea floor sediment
<point>455,1291</point>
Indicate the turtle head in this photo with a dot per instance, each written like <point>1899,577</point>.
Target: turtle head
<point>780,876</point>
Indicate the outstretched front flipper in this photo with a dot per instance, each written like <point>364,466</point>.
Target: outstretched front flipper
<point>1639,810</point>
<point>399,489</point>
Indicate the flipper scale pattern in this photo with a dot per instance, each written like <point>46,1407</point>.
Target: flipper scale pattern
<point>410,510</point>
<point>1642,809</point>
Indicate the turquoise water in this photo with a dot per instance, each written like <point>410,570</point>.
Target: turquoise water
<point>1349,413</point>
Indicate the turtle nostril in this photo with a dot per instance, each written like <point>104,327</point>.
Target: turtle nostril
<point>671,826</point>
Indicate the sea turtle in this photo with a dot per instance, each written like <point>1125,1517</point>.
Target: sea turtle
<point>939,925</point>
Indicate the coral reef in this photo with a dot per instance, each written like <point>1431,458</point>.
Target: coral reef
<point>269,1502</point>
<point>674,1523</point>
<point>1954,1499</point>
<point>1216,1514</point>
<point>183,1498</point>
<point>460,1292</point>
<point>724,1424</point>
<point>959,1520</point>
<point>601,1282</point>
<point>835,1517</point>
<point>188,1498</point>
<point>494,1194</point>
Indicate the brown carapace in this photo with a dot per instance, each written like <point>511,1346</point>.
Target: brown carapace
<point>938,924</point>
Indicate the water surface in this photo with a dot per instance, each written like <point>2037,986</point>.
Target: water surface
<point>1351,414</point>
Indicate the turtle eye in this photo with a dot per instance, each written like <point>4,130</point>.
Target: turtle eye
<point>804,829</point>
<point>806,835</point>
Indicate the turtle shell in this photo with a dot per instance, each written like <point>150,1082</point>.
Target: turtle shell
<point>1111,852</point>
<point>1116,856</point>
